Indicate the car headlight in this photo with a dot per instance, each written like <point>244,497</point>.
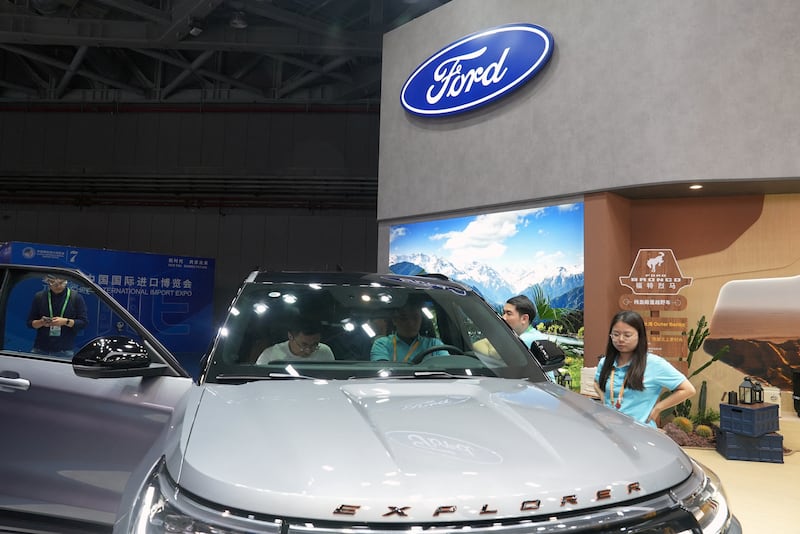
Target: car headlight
<point>161,508</point>
<point>709,505</point>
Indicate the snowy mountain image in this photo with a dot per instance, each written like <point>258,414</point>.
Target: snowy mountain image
<point>500,254</point>
<point>494,286</point>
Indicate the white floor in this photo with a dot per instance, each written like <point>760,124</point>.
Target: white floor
<point>764,496</point>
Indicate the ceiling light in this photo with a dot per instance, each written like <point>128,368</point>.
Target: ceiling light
<point>238,20</point>
<point>696,186</point>
<point>196,27</point>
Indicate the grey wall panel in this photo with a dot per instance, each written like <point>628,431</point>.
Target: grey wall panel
<point>162,240</point>
<point>184,228</point>
<point>236,137</point>
<point>264,147</point>
<point>90,142</point>
<point>152,144</point>
<point>354,254</point>
<point>126,144</point>
<point>206,234</point>
<point>361,143</point>
<point>637,92</point>
<point>212,143</point>
<point>35,146</point>
<point>147,144</point>
<point>168,133</point>
<point>275,255</point>
<point>253,240</point>
<point>229,268</point>
<point>79,229</point>
<point>240,240</point>
<point>119,228</point>
<point>190,143</point>
<point>314,243</point>
<point>26,226</point>
<point>318,143</point>
<point>12,142</point>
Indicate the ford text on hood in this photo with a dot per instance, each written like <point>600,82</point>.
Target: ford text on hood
<point>366,403</point>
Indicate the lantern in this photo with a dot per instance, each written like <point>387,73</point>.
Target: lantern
<point>746,391</point>
<point>758,393</point>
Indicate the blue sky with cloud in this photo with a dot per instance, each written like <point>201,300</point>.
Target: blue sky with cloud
<point>550,235</point>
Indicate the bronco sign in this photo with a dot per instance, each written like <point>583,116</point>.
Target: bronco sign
<point>477,69</point>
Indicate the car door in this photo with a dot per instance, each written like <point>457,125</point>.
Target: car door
<point>70,442</point>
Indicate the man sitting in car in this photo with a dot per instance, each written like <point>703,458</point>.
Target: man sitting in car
<point>303,344</point>
<point>406,343</point>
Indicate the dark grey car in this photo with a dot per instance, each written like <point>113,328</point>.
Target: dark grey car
<point>69,441</point>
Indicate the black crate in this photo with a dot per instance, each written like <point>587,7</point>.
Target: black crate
<point>749,419</point>
<point>766,448</point>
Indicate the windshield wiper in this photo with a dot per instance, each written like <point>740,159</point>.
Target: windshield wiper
<point>270,376</point>
<point>438,374</point>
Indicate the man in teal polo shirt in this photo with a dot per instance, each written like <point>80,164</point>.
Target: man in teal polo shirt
<point>519,312</point>
<point>406,342</point>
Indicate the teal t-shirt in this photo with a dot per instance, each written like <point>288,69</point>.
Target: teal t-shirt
<point>392,348</point>
<point>658,374</point>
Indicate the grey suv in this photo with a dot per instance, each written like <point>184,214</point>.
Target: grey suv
<point>334,403</point>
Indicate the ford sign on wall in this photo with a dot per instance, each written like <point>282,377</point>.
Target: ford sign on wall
<point>477,69</point>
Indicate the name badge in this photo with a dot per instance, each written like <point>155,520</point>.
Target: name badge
<point>55,331</point>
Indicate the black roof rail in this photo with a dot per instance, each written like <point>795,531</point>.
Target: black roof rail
<point>440,276</point>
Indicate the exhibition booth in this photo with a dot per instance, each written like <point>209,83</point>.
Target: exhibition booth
<point>613,113</point>
<point>497,114</point>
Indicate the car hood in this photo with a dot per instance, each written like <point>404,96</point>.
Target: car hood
<point>416,450</point>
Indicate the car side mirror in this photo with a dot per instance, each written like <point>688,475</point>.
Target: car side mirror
<point>548,354</point>
<point>113,357</point>
<point>115,351</point>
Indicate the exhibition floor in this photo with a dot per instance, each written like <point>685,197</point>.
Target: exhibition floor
<point>763,495</point>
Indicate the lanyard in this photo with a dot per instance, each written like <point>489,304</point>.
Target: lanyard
<point>408,354</point>
<point>50,303</point>
<point>618,402</point>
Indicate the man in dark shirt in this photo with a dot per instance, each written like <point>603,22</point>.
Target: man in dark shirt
<point>57,313</point>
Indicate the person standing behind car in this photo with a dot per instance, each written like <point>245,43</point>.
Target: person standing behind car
<point>519,312</point>
<point>57,313</point>
<point>630,379</point>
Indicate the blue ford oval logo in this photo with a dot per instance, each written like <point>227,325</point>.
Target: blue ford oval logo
<point>477,69</point>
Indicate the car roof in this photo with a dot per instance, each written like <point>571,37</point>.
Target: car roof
<point>355,278</point>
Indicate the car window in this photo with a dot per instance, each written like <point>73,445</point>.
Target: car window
<point>353,331</point>
<point>19,304</point>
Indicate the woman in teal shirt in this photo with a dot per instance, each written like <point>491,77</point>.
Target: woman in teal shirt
<point>630,379</point>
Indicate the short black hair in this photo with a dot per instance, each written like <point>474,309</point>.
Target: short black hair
<point>305,326</point>
<point>524,305</point>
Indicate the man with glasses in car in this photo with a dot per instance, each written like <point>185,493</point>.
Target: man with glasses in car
<point>406,343</point>
<point>57,314</point>
<point>303,344</point>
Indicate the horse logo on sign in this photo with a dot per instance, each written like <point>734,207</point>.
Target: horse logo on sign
<point>655,272</point>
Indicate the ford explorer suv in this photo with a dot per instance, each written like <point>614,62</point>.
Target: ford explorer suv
<point>338,403</point>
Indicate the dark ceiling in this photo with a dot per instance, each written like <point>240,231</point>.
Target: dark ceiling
<point>218,53</point>
<point>189,51</point>
<point>180,54</point>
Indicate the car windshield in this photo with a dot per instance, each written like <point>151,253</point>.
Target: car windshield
<point>368,327</point>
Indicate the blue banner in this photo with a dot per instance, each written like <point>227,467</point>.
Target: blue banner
<point>172,296</point>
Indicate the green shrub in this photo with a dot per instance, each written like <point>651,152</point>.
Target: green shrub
<point>684,423</point>
<point>703,431</point>
<point>709,417</point>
